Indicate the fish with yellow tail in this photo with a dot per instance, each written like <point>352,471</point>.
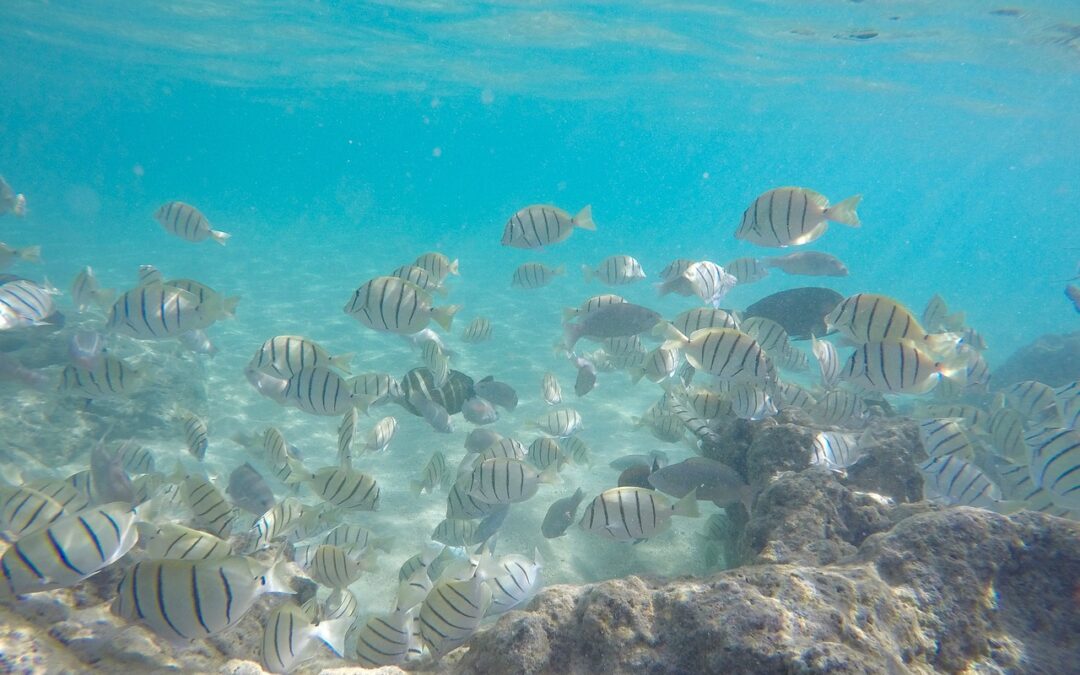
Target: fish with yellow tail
<point>792,216</point>
<point>541,224</point>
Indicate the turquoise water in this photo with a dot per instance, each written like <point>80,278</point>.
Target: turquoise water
<point>336,143</point>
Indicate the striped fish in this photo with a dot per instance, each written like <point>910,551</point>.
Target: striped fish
<point>86,292</point>
<point>793,359</point>
<point>750,401</point>
<point>540,225</point>
<point>434,474</point>
<point>592,304</point>
<point>504,481</point>
<point>709,282</point>
<point>319,391</point>
<point>436,361</point>
<point>176,542</point>
<point>1016,484</point>
<point>747,270</point>
<point>437,265</point>
<point>696,425</point>
<point>1068,402</point>
<point>673,271</point>
<point>545,452</point>
<point>346,436</point>
<point>212,512</point>
<point>148,274</point>
<point>960,482</point>
<point>620,346</point>
<point>660,364</point>
<point>450,396</point>
<point>478,330</point>
<point>972,416</point>
<point>550,389</point>
<point>1035,401</point>
<point>1055,464</point>
<point>346,488</point>
<point>286,355</point>
<point>793,216</point>
<point>23,304</point>
<point>865,317</point>
<point>663,427</point>
<point>726,353</point>
<point>936,316</point>
<point>282,458</point>
<point>380,436</point>
<point>195,435</point>
<point>452,612</point>
<point>157,312</point>
<point>334,566</point>
<point>828,362</point>
<point>704,317</point>
<point>977,374</point>
<point>455,532</point>
<point>69,550</point>
<point>576,449</point>
<point>535,275</point>
<point>944,437</point>
<point>562,422</point>
<point>513,581</point>
<point>109,377</point>
<point>421,560</point>
<point>341,604</point>
<point>214,305</point>
<point>290,638</point>
<point>135,458</point>
<point>375,387</point>
<point>412,591</point>
<point>280,522</point>
<point>839,406</point>
<point>460,504</point>
<point>897,367</point>
<point>794,396</point>
<point>770,335</point>
<point>393,305</point>
<point>1006,430</point>
<point>353,537</point>
<point>835,451</point>
<point>385,640</point>
<point>615,270</point>
<point>420,277</point>
<point>183,600</point>
<point>32,507</point>
<point>707,404</point>
<point>633,513</point>
<point>185,221</point>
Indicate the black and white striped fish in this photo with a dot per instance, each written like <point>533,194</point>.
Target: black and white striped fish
<point>286,355</point>
<point>839,406</point>
<point>592,304</point>
<point>550,389</point>
<point>86,292</point>
<point>380,436</point>
<point>281,522</point>
<point>709,281</point>
<point>793,216</point>
<point>31,507</point>
<point>290,637</point>
<point>960,482</point>
<point>1055,464</point>
<point>835,451</point>
<point>187,222</point>
<point>897,367</point>
<point>434,474</point>
<point>375,387</point>
<point>135,458</point>
<point>747,270</point>
<point>1035,401</point>
<point>866,317</point>
<point>110,376</point>
<point>157,312</point>
<point>535,275</point>
<point>504,481</point>
<point>1006,429</point>
<point>24,303</point>
<point>660,364</point>
<point>212,512</point>
<point>195,434</point>
<point>346,437</point>
<point>634,513</point>
<point>703,317</point>
<point>436,361</point>
<point>452,612</point>
<point>282,458</point>
<point>1068,402</point>
<point>615,270</point>
<point>561,423</point>
<point>540,225</point>
<point>544,452</point>
<point>455,532</point>
<point>461,504</point>
<point>69,550</point>
<point>384,640</point>
<point>346,488</point>
<point>726,353</point>
<point>513,580</point>
<point>320,391</point>
<point>944,437</point>
<point>478,330</point>
<point>751,401</point>
<point>450,396</point>
<point>393,305</point>
<point>420,277</point>
<point>437,265</point>
<point>176,542</point>
<point>972,416</point>
<point>794,396</point>
<point>335,566</point>
<point>184,600</point>
<point>828,362</point>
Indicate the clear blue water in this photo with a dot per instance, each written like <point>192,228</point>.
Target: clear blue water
<point>336,142</point>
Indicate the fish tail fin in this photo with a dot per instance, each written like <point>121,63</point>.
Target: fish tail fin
<point>663,288</point>
<point>956,321</point>
<point>104,297</point>
<point>636,373</point>
<point>444,316</point>
<point>559,271</point>
<point>219,236</point>
<point>844,212</point>
<point>549,475</point>
<point>687,506</point>
<point>453,269</point>
<point>416,488</point>
<point>333,633</point>
<point>228,307</point>
<point>956,374</point>
<point>589,274</point>
<point>1009,507</point>
<point>30,254</point>
<point>341,362</point>
<point>942,344</point>
<point>277,577</point>
<point>569,313</point>
<point>584,220</point>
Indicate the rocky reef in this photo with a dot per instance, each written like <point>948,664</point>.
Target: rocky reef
<point>1052,359</point>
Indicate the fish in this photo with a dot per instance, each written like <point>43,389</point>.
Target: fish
<point>385,640</point>
<point>793,216</point>
<point>434,414</point>
<point>561,514</point>
<point>334,566</point>
<point>282,458</point>
<point>726,353</point>
<point>249,491</point>
<point>434,475</point>
<point>1072,292</point>
<point>436,361</point>
<point>270,386</point>
<point>12,369</point>
<point>936,316</point>
<point>709,479</point>
<point>828,362</point>
<point>808,264</point>
<point>198,342</point>
<point>341,604</point>
<point>633,513</point>
<point>961,482</point>
<point>897,367</point>
<point>148,274</point>
<point>550,390</point>
<point>944,437</point>
<point>8,255</point>
<point>286,355</point>
<point>290,637</point>
<point>592,304</point>
<point>541,225</point>
<point>615,270</point>
<point>660,364</point>
<point>621,319</point>
<point>372,388</point>
<point>839,406</point>
<point>380,436</point>
<point>109,481</point>
<point>866,317</point>
<point>478,330</point>
<point>281,521</point>
<point>562,422</point>
<point>586,376</point>
<point>135,458</point>
<point>801,311</point>
<point>109,377</point>
<point>750,401</point>
<point>504,448</point>
<point>450,396</point>
<point>354,537</point>
<point>393,305</point>
<point>1068,402</point>
<point>620,346</point>
<point>412,591</point>
<point>214,305</point>
<point>499,393</point>
<point>1035,401</point>
<point>460,504</point>
<point>544,452</point>
<point>347,489</point>
<point>187,222</point>
<point>513,581</point>
<point>705,279</point>
<point>747,270</point>
<point>504,481</point>
<point>10,202</point>
<point>576,449</point>
<point>697,319</point>
<point>27,508</point>
<point>479,411</point>
<point>184,600</point>
<point>87,293</point>
<point>672,279</point>
<point>438,265</point>
<point>535,275</point>
<point>452,612</point>
<point>24,303</point>
<point>707,404</point>
<point>1055,464</point>
<point>479,440</point>
<point>455,532</point>
<point>211,511</point>
<point>157,312</point>
<point>835,451</point>
<point>195,434</point>
<point>770,335</point>
<point>419,276</point>
<point>318,390</point>
<point>176,542</point>
<point>72,548</point>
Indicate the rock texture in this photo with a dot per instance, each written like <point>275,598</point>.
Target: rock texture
<point>1053,359</point>
<point>961,589</point>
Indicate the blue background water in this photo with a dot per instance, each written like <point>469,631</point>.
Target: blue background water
<point>309,131</point>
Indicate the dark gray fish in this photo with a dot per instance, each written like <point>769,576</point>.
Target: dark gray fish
<point>801,311</point>
<point>479,411</point>
<point>627,461</point>
<point>85,348</point>
<point>499,393</point>
<point>433,413</point>
<point>715,481</point>
<point>249,491</point>
<point>621,319</point>
<point>491,523</point>
<point>809,264</point>
<point>457,389</point>
<point>586,375</point>
<point>561,514</point>
<point>109,481</point>
<point>637,476</point>
<point>12,369</point>
<point>479,440</point>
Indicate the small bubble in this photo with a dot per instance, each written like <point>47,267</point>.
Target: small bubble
<point>436,152</point>
<point>487,97</point>
<point>705,176</point>
<point>138,170</point>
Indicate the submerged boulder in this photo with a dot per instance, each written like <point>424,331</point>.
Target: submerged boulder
<point>1052,359</point>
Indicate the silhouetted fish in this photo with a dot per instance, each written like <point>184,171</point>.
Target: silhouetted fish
<point>799,310</point>
<point>457,389</point>
<point>249,491</point>
<point>561,514</point>
<point>499,393</point>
